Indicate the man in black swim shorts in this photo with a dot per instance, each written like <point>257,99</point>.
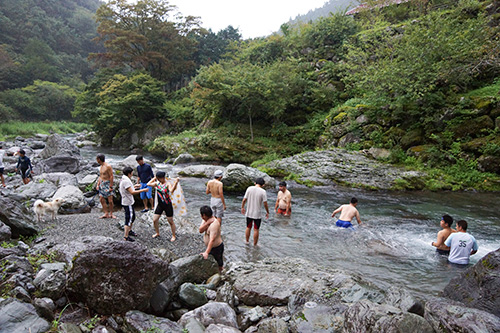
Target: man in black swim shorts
<point>212,238</point>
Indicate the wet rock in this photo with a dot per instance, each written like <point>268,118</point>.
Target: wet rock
<point>315,317</point>
<point>366,316</point>
<point>45,307</point>
<point>103,329</point>
<point>212,313</point>
<point>73,197</point>
<point>17,264</point>
<point>16,316</point>
<point>137,321</point>
<point>17,217</point>
<point>192,296</point>
<point>5,233</point>
<point>126,277</point>
<point>479,285</point>
<point>402,299</point>
<point>221,329</point>
<point>200,171</point>
<point>16,251</point>
<point>51,280</point>
<point>184,159</point>
<point>237,177</point>
<point>446,315</point>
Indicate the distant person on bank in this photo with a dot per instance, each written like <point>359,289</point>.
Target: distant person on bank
<point>145,174</point>
<point>127,191</point>
<point>217,202</point>
<point>283,204</point>
<point>462,245</point>
<point>347,213</point>
<point>442,236</point>
<point>256,196</point>
<point>24,166</point>
<point>212,238</point>
<point>105,187</point>
<point>2,166</point>
<point>163,198</point>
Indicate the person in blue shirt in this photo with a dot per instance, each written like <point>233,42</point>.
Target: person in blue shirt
<point>462,245</point>
<point>145,173</point>
<point>24,166</point>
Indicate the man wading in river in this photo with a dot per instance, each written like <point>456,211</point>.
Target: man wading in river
<point>347,213</point>
<point>256,196</point>
<point>442,235</point>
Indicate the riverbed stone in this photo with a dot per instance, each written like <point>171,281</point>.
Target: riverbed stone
<point>366,316</point>
<point>5,233</point>
<point>479,285</point>
<point>69,251</point>
<point>86,181</point>
<point>16,316</point>
<point>446,315</point>
<point>184,159</point>
<point>115,277</point>
<point>37,189</point>
<point>212,313</point>
<point>315,317</point>
<point>57,178</point>
<point>200,171</point>
<point>17,217</point>
<point>130,161</point>
<point>51,280</point>
<point>401,298</point>
<point>192,296</point>
<point>237,177</point>
<point>72,196</point>
<point>60,163</point>
<point>137,321</point>
<point>213,328</point>
<point>45,307</point>
<point>56,145</point>
<point>274,325</point>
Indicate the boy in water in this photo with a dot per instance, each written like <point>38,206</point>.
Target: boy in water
<point>217,202</point>
<point>347,213</point>
<point>442,235</point>
<point>212,238</point>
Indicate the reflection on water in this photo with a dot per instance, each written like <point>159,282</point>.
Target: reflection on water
<point>391,247</point>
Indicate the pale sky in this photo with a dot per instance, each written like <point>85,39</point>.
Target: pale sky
<point>253,18</point>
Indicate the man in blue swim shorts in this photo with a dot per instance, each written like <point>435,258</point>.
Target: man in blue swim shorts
<point>347,213</point>
<point>145,173</point>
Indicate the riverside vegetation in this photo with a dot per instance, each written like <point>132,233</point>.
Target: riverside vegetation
<point>419,79</point>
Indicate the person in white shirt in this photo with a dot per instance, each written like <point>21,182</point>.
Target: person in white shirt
<point>462,245</point>
<point>256,196</point>
<point>127,191</point>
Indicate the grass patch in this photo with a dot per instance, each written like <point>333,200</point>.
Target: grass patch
<point>12,129</point>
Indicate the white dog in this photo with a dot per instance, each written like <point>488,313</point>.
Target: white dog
<point>41,208</point>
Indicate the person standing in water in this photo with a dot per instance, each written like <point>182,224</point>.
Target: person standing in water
<point>347,213</point>
<point>462,245</point>
<point>283,204</point>
<point>164,202</point>
<point>442,235</point>
<point>256,196</point>
<point>217,202</point>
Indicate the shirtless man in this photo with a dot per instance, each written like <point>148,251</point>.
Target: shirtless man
<point>347,213</point>
<point>217,202</point>
<point>442,235</point>
<point>283,204</point>
<point>105,187</point>
<point>212,238</point>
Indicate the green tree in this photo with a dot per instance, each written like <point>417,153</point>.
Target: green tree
<point>142,36</point>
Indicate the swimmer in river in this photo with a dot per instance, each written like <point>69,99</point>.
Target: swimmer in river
<point>217,202</point>
<point>347,213</point>
<point>442,235</point>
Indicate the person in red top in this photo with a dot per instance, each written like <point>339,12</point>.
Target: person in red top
<point>164,202</point>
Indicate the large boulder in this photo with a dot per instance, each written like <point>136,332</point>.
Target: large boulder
<point>87,181</point>
<point>37,189</point>
<point>58,146</point>
<point>5,233</point>
<point>59,155</point>
<point>17,217</point>
<point>116,277</point>
<point>137,321</point>
<point>212,313</point>
<point>57,178</point>
<point>366,316</point>
<point>478,286</point>
<point>69,251</point>
<point>130,161</point>
<point>446,315</point>
<point>200,171</point>
<point>192,296</point>
<point>73,197</point>
<point>237,177</point>
<point>16,316</point>
<point>184,159</point>
<point>192,269</point>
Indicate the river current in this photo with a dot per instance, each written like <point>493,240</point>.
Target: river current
<point>392,247</point>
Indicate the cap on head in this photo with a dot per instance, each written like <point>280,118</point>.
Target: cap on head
<point>218,174</point>
<point>260,181</point>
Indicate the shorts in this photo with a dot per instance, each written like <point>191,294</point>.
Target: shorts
<point>25,173</point>
<point>164,207</point>
<point>105,189</point>
<point>1,171</point>
<point>217,207</point>
<point>255,221</point>
<point>343,224</point>
<point>129,215</point>
<point>148,194</point>
<point>282,211</point>
<point>443,252</point>
<point>217,253</point>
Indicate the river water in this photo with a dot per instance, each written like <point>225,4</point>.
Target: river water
<point>391,248</point>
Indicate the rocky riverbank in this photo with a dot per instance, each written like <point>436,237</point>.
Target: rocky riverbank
<point>76,274</point>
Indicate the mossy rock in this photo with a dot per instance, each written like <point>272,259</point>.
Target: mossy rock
<point>338,131</point>
<point>489,164</point>
<point>473,127</point>
<point>340,118</point>
<point>394,134</point>
<point>421,151</point>
<point>484,104</point>
<point>412,138</point>
<point>369,129</point>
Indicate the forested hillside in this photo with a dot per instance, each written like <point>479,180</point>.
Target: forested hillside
<point>331,6</point>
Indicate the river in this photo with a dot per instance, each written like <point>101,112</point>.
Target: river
<point>393,247</point>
